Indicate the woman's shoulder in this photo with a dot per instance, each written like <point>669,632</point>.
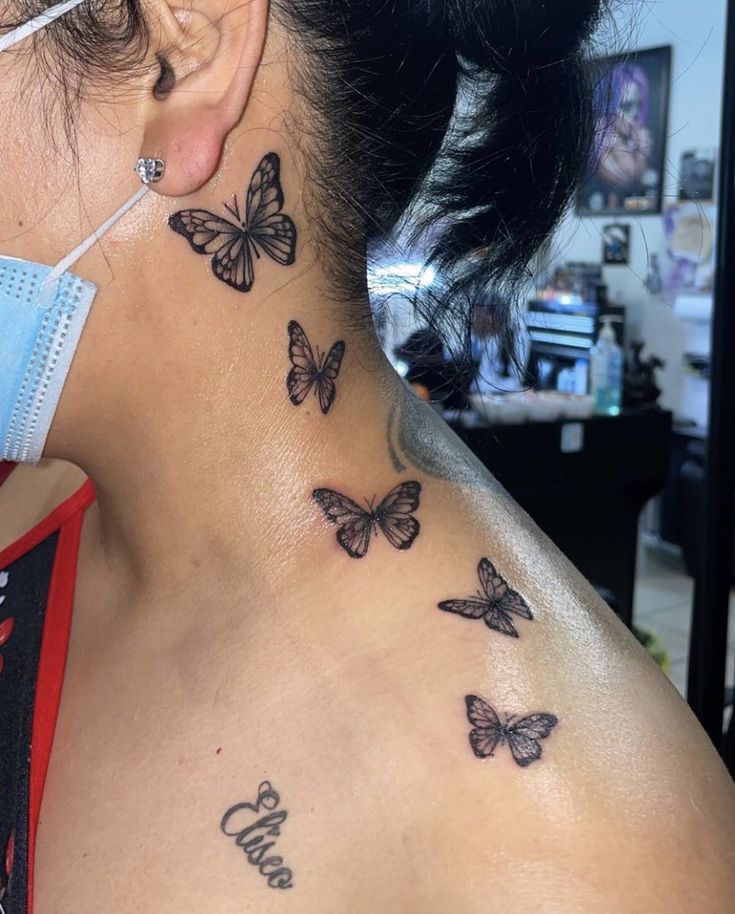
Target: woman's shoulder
<point>557,763</point>
<point>547,759</point>
<point>30,493</point>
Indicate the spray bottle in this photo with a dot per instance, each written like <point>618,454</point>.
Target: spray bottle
<point>606,371</point>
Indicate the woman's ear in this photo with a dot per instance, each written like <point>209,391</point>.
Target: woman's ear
<point>209,52</point>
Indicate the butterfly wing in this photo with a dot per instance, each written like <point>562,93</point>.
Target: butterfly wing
<point>354,536</point>
<point>488,731</point>
<point>233,264</point>
<point>204,231</point>
<point>491,582</point>
<point>394,514</point>
<point>207,233</point>
<point>498,592</point>
<point>535,726</point>
<point>480,713</point>
<point>355,523</point>
<point>470,609</point>
<point>304,372</point>
<point>524,736</point>
<point>339,509</point>
<point>328,374</point>
<point>513,602</point>
<point>269,228</point>
<point>499,621</point>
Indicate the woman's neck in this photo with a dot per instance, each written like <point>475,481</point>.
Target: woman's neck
<point>204,465</point>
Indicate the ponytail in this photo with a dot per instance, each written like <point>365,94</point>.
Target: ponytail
<point>516,150</point>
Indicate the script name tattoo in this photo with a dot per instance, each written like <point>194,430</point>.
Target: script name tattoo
<point>251,836</point>
<point>234,246</point>
<point>309,371</point>
<point>495,601</point>
<point>523,734</point>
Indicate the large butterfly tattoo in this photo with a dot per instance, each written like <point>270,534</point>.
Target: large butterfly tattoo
<point>393,516</point>
<point>494,603</point>
<point>523,735</point>
<point>307,372</point>
<point>232,245</point>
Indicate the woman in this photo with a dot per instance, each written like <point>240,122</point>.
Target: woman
<point>315,651</point>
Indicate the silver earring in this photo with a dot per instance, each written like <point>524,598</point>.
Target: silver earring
<point>149,170</point>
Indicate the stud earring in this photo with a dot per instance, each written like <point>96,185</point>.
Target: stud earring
<point>149,170</point>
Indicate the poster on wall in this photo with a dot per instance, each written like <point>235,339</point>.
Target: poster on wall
<point>697,174</point>
<point>630,103</point>
<point>689,234</point>
<point>615,243</point>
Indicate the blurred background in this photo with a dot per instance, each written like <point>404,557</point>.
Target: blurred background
<point>614,427</point>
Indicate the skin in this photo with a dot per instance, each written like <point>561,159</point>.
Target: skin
<point>220,635</point>
<point>30,493</point>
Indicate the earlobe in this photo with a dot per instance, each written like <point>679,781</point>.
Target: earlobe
<point>212,52</point>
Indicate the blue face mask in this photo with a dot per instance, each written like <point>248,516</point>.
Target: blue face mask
<point>42,314</point>
<point>37,344</point>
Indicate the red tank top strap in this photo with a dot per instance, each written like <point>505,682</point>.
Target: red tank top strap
<point>77,502</point>
<point>67,518</point>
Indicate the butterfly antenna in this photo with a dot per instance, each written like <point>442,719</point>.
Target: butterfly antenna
<point>235,210</point>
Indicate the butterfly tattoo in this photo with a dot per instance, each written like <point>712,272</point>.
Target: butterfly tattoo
<point>234,244</point>
<point>309,372</point>
<point>523,735</point>
<point>393,516</point>
<point>494,603</point>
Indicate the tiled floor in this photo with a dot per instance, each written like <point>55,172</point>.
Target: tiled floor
<point>663,605</point>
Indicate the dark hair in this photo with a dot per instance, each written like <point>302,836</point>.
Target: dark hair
<point>97,41</point>
<point>492,174</point>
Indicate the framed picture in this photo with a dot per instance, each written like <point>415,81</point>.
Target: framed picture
<point>631,104</point>
<point>697,174</point>
<point>615,243</point>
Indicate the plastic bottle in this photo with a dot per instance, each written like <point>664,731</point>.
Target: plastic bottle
<point>606,371</point>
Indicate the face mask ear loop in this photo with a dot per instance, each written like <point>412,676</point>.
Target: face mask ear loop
<point>48,287</point>
<point>34,25</point>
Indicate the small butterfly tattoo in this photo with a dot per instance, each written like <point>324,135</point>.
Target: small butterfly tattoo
<point>233,245</point>
<point>393,516</point>
<point>309,372</point>
<point>523,735</point>
<point>494,604</point>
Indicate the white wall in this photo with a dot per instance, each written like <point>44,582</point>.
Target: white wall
<point>696,32</point>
